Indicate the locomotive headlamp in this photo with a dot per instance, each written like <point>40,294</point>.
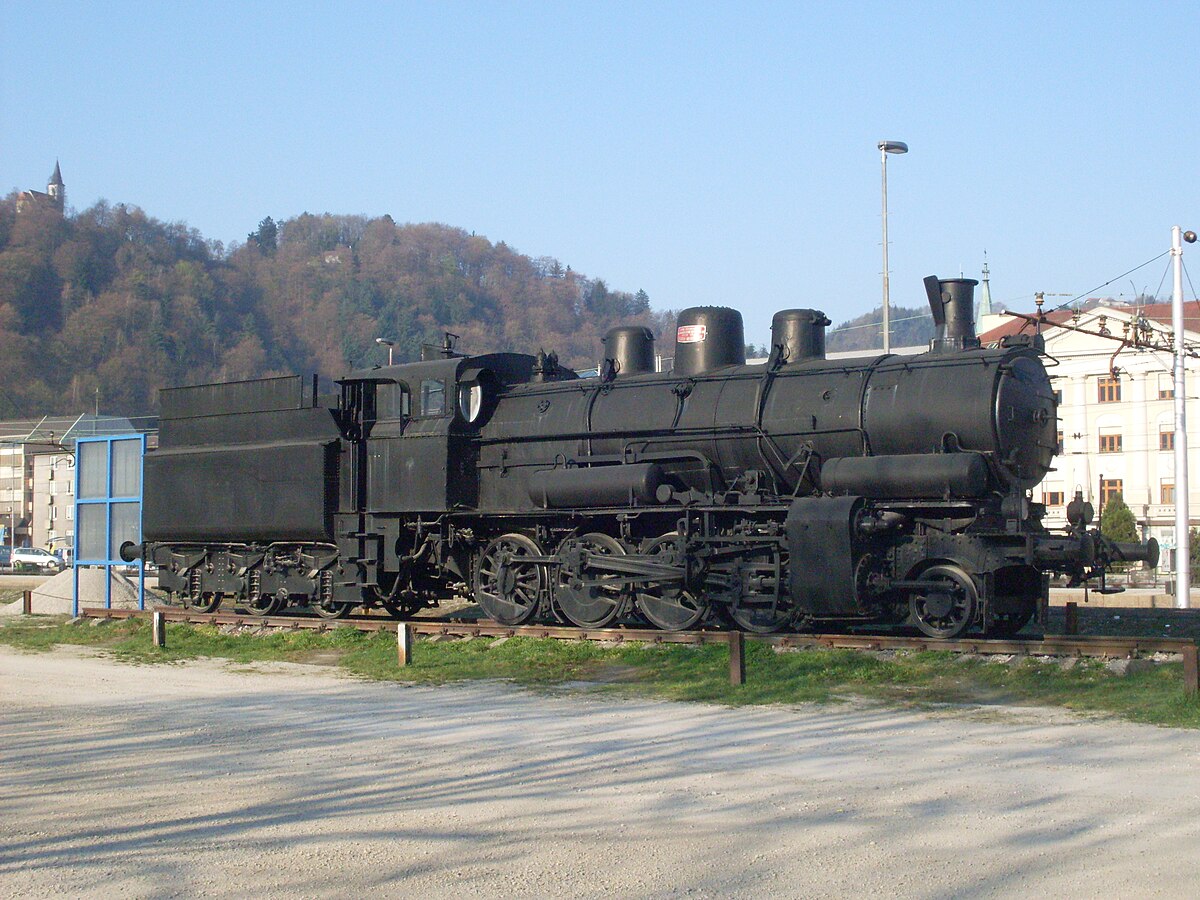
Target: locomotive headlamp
<point>1080,512</point>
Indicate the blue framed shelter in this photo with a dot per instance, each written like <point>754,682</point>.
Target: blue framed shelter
<point>108,506</point>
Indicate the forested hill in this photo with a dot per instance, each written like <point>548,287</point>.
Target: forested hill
<point>910,328</point>
<point>114,300</point>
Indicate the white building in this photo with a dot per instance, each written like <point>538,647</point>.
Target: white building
<point>37,476</point>
<point>1116,413</point>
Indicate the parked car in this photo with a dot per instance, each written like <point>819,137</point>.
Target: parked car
<point>35,557</point>
<point>5,554</point>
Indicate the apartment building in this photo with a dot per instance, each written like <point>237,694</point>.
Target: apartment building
<point>1116,432</point>
<point>37,476</point>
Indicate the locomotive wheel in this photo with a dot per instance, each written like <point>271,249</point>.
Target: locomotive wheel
<point>207,602</point>
<point>589,599</point>
<point>669,606</point>
<point>263,605</point>
<point>507,589</point>
<point>331,610</point>
<point>760,618</point>
<point>752,610</point>
<point>1008,624</point>
<point>947,609</point>
<point>401,610</point>
<point>403,605</point>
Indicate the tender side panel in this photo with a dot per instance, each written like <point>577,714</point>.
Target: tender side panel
<point>282,491</point>
<point>260,395</point>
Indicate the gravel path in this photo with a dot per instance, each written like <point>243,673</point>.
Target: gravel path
<point>213,780</point>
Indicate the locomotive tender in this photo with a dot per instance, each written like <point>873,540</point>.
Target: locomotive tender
<point>802,492</point>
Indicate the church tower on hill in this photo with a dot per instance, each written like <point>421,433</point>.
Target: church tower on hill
<point>56,190</point>
<point>55,197</point>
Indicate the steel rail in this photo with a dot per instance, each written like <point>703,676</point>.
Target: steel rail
<point>1048,645</point>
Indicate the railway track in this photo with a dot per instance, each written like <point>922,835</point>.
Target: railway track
<point>1047,645</point>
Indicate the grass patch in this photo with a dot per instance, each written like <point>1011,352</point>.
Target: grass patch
<point>666,671</point>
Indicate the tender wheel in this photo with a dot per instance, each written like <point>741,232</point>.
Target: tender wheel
<point>948,607</point>
<point>507,588</point>
<point>205,603</point>
<point>1008,624</point>
<point>586,598</point>
<point>331,610</point>
<point>669,606</point>
<point>263,606</point>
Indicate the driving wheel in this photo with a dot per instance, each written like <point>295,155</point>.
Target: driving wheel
<point>947,607</point>
<point>586,597</point>
<point>508,588</point>
<point>668,605</point>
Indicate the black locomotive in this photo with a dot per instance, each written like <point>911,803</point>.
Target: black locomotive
<point>803,492</point>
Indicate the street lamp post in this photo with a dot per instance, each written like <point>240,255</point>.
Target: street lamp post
<point>886,147</point>
<point>1183,563</point>
<point>389,345</point>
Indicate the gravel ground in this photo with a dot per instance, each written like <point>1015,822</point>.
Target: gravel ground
<point>206,779</point>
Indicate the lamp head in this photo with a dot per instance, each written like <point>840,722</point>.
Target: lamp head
<point>385,342</point>
<point>893,146</point>
<point>1190,237</point>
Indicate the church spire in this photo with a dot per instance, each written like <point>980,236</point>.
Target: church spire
<point>56,190</point>
<point>985,295</point>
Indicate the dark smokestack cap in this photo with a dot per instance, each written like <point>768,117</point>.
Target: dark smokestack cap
<point>952,302</point>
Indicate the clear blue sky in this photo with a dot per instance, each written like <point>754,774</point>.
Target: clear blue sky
<point>707,153</point>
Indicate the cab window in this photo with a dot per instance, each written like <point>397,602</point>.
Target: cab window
<point>433,397</point>
<point>393,402</point>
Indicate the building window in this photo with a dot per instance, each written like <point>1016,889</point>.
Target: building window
<point>1166,387</point>
<point>1058,447</point>
<point>1109,389</point>
<point>1109,488</point>
<point>1058,398</point>
<point>1110,443</point>
<point>1053,498</point>
<point>53,513</point>
<point>1166,439</point>
<point>70,512</point>
<point>1168,492</point>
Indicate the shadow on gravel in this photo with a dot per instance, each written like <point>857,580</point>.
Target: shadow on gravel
<point>486,775</point>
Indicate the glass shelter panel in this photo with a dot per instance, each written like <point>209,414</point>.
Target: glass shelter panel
<point>93,469</point>
<point>126,526</point>
<point>90,531</point>
<point>126,468</point>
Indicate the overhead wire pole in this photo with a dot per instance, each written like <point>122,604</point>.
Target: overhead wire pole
<point>1183,560</point>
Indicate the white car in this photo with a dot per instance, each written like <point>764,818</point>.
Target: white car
<point>35,556</point>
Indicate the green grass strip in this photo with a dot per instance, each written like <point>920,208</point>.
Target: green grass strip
<point>667,671</point>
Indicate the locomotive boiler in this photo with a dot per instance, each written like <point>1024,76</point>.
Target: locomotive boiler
<point>799,492</point>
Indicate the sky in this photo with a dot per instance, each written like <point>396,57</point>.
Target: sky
<point>707,153</point>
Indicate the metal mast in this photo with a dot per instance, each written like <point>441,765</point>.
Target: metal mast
<point>1183,574</point>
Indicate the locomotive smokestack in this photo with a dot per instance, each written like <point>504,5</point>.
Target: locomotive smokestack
<point>952,302</point>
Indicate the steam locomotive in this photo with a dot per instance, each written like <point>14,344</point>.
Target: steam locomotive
<point>802,492</point>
